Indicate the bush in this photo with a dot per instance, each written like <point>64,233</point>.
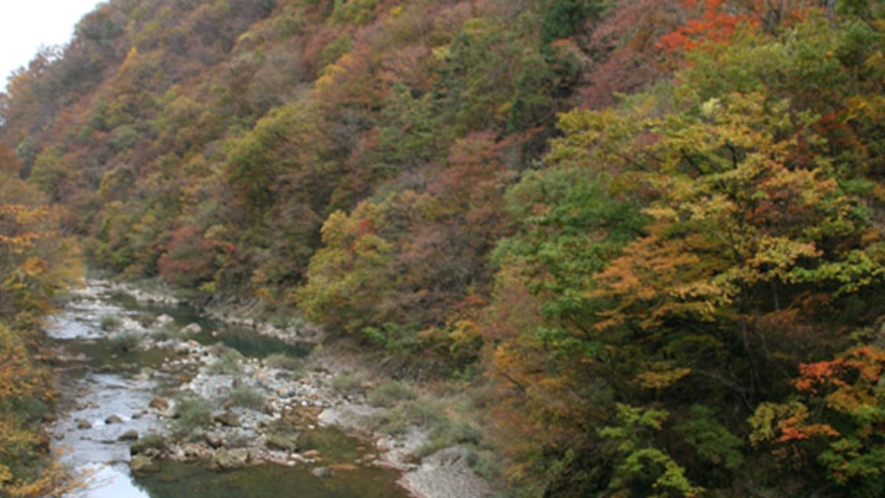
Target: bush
<point>247,397</point>
<point>446,433</point>
<point>284,362</point>
<point>125,342</point>
<point>280,320</point>
<point>109,323</point>
<point>344,384</point>
<point>228,362</point>
<point>150,441</point>
<point>419,413</point>
<point>391,393</point>
<point>486,464</point>
<point>166,333</point>
<point>282,442</point>
<point>147,318</point>
<point>191,413</point>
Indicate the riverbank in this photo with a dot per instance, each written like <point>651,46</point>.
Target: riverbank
<point>233,411</point>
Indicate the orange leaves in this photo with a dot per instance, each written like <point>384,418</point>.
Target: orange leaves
<point>716,24</point>
<point>818,373</point>
<point>796,427</point>
<point>14,219</point>
<point>784,423</point>
<point>842,409</point>
<point>35,260</point>
<point>847,383</point>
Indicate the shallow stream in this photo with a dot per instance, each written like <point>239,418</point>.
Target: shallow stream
<point>107,387</point>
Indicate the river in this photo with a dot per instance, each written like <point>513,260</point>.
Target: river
<point>109,384</point>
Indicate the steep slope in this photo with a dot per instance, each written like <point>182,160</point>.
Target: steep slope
<point>648,232</point>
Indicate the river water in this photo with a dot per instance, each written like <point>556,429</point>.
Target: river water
<point>106,389</point>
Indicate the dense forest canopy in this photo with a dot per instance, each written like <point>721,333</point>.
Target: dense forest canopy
<point>648,233</point>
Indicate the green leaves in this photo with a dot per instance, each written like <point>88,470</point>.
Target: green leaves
<point>643,468</point>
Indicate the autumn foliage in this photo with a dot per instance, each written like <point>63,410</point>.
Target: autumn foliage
<point>35,263</point>
<point>647,233</point>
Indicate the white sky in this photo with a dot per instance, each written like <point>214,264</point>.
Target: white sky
<point>25,25</point>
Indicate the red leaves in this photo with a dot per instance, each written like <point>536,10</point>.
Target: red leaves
<point>190,258</point>
<point>716,25</point>
<point>848,379</point>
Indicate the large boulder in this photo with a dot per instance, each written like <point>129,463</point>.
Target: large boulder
<point>130,435</point>
<point>113,419</point>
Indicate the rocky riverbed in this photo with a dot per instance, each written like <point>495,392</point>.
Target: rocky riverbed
<point>195,401</point>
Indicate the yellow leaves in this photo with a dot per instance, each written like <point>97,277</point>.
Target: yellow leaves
<point>663,374</point>
<point>774,257</point>
<point>465,334</point>
<point>833,379</point>
<point>662,213</point>
<point>785,422</point>
<point>21,380</point>
<point>14,222</point>
<point>55,481</point>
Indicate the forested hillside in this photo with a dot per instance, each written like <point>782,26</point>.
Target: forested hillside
<point>647,234</point>
<point>36,261</point>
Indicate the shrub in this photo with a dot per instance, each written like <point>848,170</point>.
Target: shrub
<point>391,393</point>
<point>486,464</point>
<point>247,397</point>
<point>147,318</point>
<point>283,362</point>
<point>283,442</point>
<point>125,342</point>
<point>419,413</point>
<point>446,433</point>
<point>228,362</point>
<point>109,323</point>
<point>166,333</point>
<point>344,384</point>
<point>149,441</point>
<point>191,413</point>
<point>280,320</point>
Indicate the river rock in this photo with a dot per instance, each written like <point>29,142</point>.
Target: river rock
<point>193,328</point>
<point>141,465</point>
<point>193,452</point>
<point>227,419</point>
<point>159,403</point>
<point>322,472</point>
<point>83,424</point>
<point>114,419</point>
<point>130,435</point>
<point>231,459</point>
<point>214,440</point>
<point>281,442</point>
<point>164,320</point>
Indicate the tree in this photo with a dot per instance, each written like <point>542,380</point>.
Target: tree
<point>36,261</point>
